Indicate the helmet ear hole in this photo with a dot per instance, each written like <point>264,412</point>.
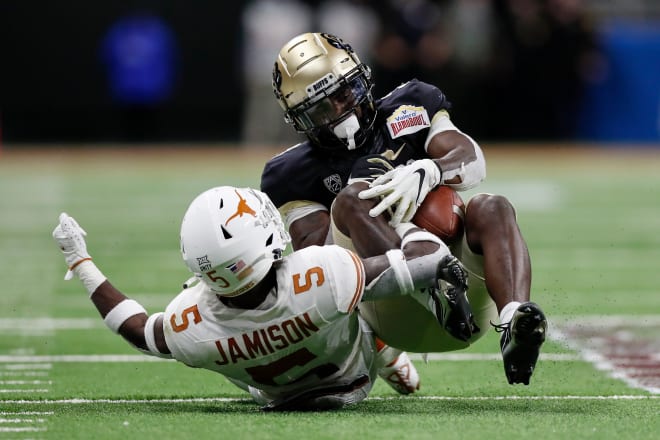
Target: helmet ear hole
<point>225,233</point>
<point>269,241</point>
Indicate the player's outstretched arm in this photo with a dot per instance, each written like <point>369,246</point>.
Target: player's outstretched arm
<point>121,314</point>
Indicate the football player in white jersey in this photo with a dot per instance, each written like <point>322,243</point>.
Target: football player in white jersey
<point>284,328</point>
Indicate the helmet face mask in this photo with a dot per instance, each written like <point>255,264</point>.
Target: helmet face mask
<point>230,238</point>
<point>319,82</point>
<point>330,105</point>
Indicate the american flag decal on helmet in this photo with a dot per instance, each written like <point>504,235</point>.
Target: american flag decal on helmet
<point>237,266</point>
<point>240,269</point>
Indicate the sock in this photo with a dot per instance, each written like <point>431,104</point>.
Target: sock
<point>507,312</point>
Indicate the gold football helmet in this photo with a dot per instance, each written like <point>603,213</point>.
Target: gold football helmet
<point>325,91</point>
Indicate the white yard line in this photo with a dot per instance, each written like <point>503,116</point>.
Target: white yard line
<point>26,382</point>
<point>24,373</point>
<point>26,429</point>
<point>19,420</point>
<point>236,400</point>
<point>19,390</point>
<point>12,364</point>
<point>27,413</point>
<point>35,365</point>
<point>110,358</point>
<point>26,360</point>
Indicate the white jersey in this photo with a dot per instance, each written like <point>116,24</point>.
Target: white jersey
<point>309,335</point>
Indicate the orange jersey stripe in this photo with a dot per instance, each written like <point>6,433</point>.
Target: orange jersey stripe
<point>359,268</point>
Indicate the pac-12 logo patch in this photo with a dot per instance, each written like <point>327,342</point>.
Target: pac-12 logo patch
<point>407,119</point>
<point>333,183</point>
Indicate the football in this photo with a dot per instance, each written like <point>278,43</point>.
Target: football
<point>442,213</point>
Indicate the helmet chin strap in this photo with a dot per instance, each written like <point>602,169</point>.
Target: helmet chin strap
<point>346,129</point>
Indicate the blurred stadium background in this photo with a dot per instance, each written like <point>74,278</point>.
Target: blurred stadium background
<point>171,71</point>
<point>564,96</point>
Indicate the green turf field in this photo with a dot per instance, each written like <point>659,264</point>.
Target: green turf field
<point>592,222</point>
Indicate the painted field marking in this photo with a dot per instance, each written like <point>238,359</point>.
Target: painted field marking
<point>26,382</point>
<point>20,385</point>
<point>25,429</point>
<point>22,420</point>
<point>36,365</point>
<point>24,373</point>
<point>627,348</point>
<point>19,390</point>
<point>139,358</point>
<point>34,420</point>
<point>26,360</point>
<point>27,413</point>
<point>244,400</point>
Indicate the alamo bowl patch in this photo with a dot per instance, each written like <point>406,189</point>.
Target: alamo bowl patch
<point>407,119</point>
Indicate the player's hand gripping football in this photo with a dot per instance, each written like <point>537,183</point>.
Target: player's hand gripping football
<point>405,188</point>
<point>71,239</point>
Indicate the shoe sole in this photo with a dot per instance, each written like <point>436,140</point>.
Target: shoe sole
<point>527,336</point>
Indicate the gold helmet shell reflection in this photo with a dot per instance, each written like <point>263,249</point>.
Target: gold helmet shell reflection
<point>310,68</point>
<point>307,61</point>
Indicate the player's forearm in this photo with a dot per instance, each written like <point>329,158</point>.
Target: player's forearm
<point>311,230</point>
<point>107,298</point>
<point>401,275</point>
<point>121,314</point>
<point>459,157</point>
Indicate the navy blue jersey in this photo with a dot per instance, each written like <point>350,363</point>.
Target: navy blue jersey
<point>403,119</point>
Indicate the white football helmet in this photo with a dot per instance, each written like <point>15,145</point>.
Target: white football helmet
<point>325,91</point>
<point>230,238</point>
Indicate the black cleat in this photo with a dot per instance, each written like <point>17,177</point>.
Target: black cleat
<point>453,309</point>
<point>521,342</point>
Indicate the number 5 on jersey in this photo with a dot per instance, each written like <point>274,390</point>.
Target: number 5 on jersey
<point>192,310</point>
<point>315,274</point>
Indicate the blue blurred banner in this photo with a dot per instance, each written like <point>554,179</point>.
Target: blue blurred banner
<point>139,54</point>
<point>624,105</point>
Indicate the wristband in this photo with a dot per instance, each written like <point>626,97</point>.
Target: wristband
<point>422,235</point>
<point>89,274</point>
<point>150,337</point>
<point>401,272</point>
<point>403,228</point>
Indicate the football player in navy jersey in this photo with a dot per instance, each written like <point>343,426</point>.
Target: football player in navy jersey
<point>357,181</point>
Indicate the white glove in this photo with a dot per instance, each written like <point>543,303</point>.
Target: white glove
<point>404,187</point>
<point>71,239</point>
